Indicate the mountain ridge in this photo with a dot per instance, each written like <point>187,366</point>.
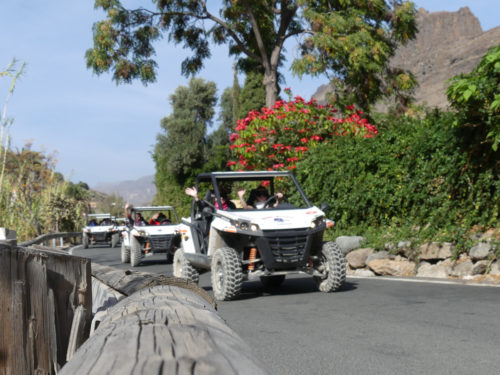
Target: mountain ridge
<point>140,191</point>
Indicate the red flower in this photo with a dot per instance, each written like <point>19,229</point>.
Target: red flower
<point>229,163</point>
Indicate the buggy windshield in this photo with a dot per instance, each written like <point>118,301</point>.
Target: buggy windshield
<point>252,190</point>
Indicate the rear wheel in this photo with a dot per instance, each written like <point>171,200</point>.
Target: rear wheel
<point>183,269</point>
<point>227,276</point>
<point>272,281</point>
<point>332,265</point>
<point>135,252</point>
<point>85,240</point>
<point>125,253</point>
<point>115,238</point>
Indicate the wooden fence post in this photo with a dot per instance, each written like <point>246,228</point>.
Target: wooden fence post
<point>39,293</point>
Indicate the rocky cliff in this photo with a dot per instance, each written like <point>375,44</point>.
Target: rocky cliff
<point>448,43</point>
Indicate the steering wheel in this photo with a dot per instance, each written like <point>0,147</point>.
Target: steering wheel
<point>270,199</point>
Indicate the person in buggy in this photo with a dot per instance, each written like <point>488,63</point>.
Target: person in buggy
<point>137,220</point>
<point>226,202</point>
<point>159,219</point>
<point>258,198</point>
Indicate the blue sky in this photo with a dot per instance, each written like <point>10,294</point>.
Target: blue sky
<point>99,131</point>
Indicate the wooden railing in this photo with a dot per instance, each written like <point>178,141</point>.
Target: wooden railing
<point>61,314</point>
<point>50,239</point>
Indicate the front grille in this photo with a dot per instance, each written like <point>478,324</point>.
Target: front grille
<point>288,248</point>
<point>99,237</point>
<point>159,243</point>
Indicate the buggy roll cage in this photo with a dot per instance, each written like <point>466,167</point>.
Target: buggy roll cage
<point>156,208</point>
<point>214,177</point>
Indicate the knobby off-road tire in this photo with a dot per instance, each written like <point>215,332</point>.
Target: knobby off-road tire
<point>115,238</point>
<point>227,276</point>
<point>272,281</point>
<point>332,264</point>
<point>85,241</point>
<point>125,253</point>
<point>135,252</point>
<point>183,269</point>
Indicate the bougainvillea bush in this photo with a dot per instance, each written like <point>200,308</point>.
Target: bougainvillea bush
<point>277,138</point>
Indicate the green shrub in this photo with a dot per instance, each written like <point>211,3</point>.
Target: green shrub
<point>418,179</point>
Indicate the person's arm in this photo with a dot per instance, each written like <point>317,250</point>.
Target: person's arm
<point>241,195</point>
<point>127,213</point>
<point>279,197</point>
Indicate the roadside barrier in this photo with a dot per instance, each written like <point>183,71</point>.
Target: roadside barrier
<point>62,314</point>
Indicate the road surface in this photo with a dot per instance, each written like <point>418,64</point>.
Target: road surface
<point>372,326</point>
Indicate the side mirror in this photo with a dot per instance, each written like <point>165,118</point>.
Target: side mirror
<point>324,207</point>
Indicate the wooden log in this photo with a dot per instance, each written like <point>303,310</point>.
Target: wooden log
<point>163,330</point>
<point>128,282</point>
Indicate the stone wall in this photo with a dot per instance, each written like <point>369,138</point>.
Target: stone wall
<point>429,260</point>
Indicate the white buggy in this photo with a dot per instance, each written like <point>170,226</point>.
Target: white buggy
<point>150,236</point>
<point>100,229</point>
<point>237,244</point>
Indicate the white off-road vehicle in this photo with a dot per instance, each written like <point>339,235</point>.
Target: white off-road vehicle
<point>100,229</point>
<point>236,244</point>
<point>157,232</point>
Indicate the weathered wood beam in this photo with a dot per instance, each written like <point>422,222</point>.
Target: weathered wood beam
<point>163,330</point>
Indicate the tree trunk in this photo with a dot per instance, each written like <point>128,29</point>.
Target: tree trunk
<point>270,84</point>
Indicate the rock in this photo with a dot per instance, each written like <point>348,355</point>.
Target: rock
<point>462,269</point>
<point>433,270</point>
<point>389,246</point>
<point>495,268</point>
<point>490,234</point>
<point>387,267</point>
<point>480,267</point>
<point>363,272</point>
<point>404,245</point>
<point>348,243</point>
<point>379,255</point>
<point>357,258</point>
<point>480,251</point>
<point>436,250</point>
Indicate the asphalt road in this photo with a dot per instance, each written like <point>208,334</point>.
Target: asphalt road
<point>372,326</point>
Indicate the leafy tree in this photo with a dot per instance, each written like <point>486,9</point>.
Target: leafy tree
<point>476,97</point>
<point>182,148</point>
<point>352,38</point>
<point>253,94</point>
<point>352,41</point>
<point>227,116</point>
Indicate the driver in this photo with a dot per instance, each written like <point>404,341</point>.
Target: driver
<point>258,198</point>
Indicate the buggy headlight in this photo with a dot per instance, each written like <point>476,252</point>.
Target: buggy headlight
<point>317,222</point>
<point>254,227</point>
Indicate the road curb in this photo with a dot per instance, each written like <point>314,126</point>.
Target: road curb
<point>427,280</point>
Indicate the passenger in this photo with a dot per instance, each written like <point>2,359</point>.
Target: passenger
<point>258,198</point>
<point>137,220</point>
<point>155,219</point>
<point>226,202</point>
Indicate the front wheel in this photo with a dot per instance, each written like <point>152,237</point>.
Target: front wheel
<point>332,265</point>
<point>183,269</point>
<point>85,240</point>
<point>135,252</point>
<point>125,253</point>
<point>227,276</point>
